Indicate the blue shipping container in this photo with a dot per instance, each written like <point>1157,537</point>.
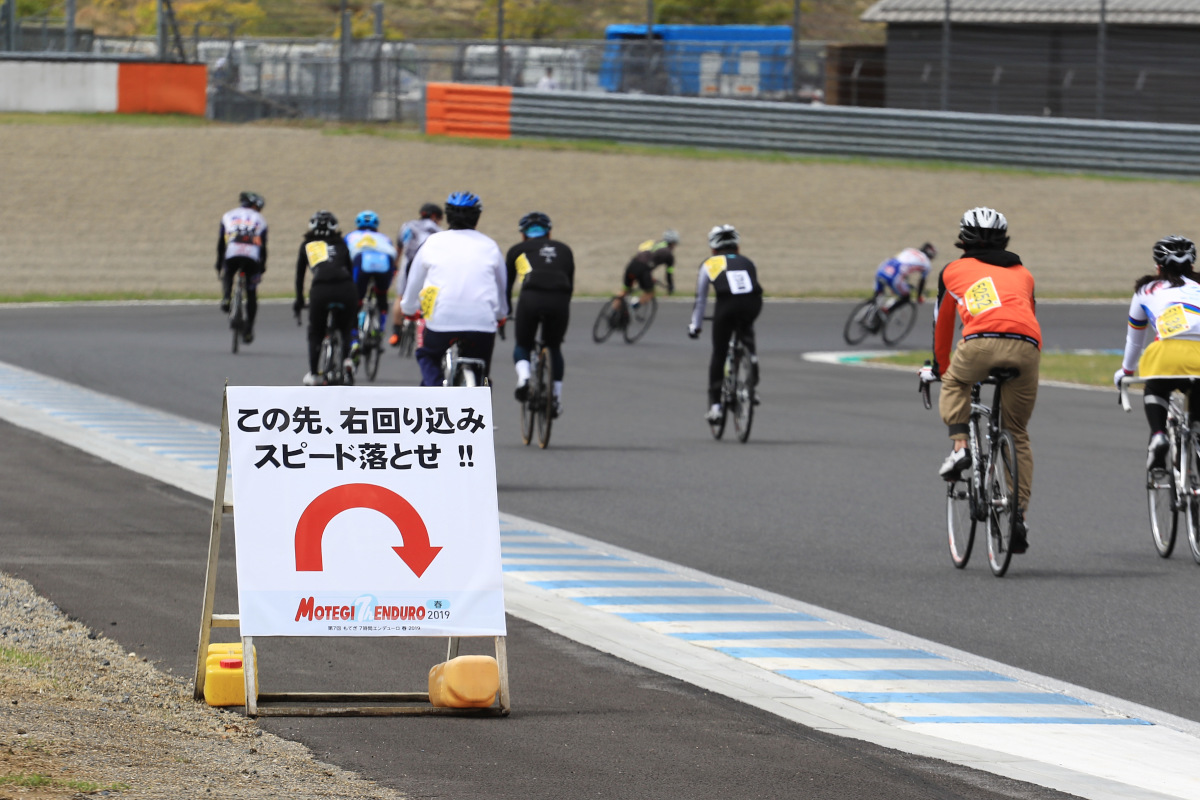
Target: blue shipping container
<point>672,62</point>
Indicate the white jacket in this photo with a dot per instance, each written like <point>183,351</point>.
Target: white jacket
<point>457,281</point>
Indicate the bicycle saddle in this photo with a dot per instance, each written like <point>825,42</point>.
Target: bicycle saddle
<point>1001,374</point>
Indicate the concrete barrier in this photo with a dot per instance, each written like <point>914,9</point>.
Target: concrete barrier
<point>103,87</point>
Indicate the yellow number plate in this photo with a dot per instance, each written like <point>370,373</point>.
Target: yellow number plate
<point>317,252</point>
<point>1172,321</point>
<point>981,297</point>
<point>523,267</point>
<point>713,266</point>
<point>428,301</point>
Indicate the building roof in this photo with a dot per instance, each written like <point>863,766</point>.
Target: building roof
<point>1024,12</point>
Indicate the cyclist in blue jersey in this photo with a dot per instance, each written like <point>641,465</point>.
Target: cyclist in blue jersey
<point>374,259</point>
<point>412,235</point>
<point>899,273</point>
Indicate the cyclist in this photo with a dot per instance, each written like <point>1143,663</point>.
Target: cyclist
<point>993,294</point>
<point>734,279</point>
<point>412,235</point>
<point>457,282</point>
<point>374,259</point>
<point>900,271</point>
<point>242,247</point>
<point>650,255</point>
<point>324,253</point>
<point>543,269</point>
<point>1168,301</point>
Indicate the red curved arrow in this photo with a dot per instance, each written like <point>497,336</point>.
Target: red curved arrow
<point>416,551</point>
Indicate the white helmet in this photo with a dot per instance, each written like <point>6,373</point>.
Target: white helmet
<point>723,236</point>
<point>983,226</point>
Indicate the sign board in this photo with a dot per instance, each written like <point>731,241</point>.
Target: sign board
<point>364,511</point>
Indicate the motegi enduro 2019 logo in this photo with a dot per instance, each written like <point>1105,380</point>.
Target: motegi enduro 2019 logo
<point>366,610</point>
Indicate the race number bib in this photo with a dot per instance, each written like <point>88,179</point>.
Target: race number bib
<point>428,301</point>
<point>714,266</point>
<point>523,267</point>
<point>981,297</point>
<point>1172,322</point>
<point>739,281</point>
<point>317,253</point>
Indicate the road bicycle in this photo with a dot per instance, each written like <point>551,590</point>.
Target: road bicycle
<point>631,318</point>
<point>237,310</point>
<point>1175,489</point>
<point>331,364</point>
<point>370,333</point>
<point>408,338</point>
<point>458,370</point>
<point>538,408</point>
<point>888,316</point>
<point>737,391</point>
<point>988,492</point>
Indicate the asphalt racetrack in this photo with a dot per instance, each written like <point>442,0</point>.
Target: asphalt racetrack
<point>834,501</point>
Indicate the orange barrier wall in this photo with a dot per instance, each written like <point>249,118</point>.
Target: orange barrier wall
<point>162,89</point>
<point>457,109</point>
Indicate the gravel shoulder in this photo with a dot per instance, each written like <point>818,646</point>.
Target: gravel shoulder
<point>82,717</point>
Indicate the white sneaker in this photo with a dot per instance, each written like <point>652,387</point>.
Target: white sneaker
<point>557,410</point>
<point>311,380</point>
<point>714,413</point>
<point>955,463</point>
<point>1156,453</point>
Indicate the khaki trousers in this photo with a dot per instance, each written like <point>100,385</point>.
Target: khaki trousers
<point>971,363</point>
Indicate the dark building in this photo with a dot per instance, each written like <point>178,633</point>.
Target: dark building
<point>1050,58</point>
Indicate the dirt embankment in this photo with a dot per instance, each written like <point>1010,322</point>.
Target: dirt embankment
<point>117,208</point>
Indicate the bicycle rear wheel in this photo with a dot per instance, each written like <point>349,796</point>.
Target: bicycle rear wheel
<point>1191,485</point>
<point>325,361</point>
<point>899,322</point>
<point>640,319</point>
<point>606,322</point>
<point>959,522</point>
<point>743,395</point>
<point>545,385</point>
<point>1164,512</point>
<point>528,409</point>
<point>856,324</point>
<point>237,316</point>
<point>1001,499</point>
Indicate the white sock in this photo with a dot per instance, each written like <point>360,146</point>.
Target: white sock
<point>522,372</point>
<point>716,408</point>
<point>558,390</point>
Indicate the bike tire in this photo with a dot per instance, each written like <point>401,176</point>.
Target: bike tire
<point>960,524</point>
<point>465,377</point>
<point>545,385</point>
<point>528,412</point>
<point>336,376</point>
<point>604,324</point>
<point>640,319</point>
<point>1162,504</point>
<point>856,329</point>
<point>1191,483</point>
<point>1001,499</point>
<point>743,395</point>
<point>325,360</point>
<point>236,325</point>
<point>899,322</point>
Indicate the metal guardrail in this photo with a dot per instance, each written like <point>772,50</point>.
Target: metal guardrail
<point>1003,140</point>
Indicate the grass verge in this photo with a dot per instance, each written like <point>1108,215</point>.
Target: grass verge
<point>1091,369</point>
<point>34,780</point>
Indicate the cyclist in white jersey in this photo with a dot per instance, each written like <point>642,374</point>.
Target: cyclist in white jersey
<point>242,247</point>
<point>412,235</point>
<point>457,282</point>
<point>1166,309</point>
<point>910,266</point>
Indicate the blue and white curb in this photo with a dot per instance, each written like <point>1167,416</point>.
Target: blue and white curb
<point>807,664</point>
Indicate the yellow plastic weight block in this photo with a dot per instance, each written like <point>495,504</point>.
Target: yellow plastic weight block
<point>224,675</point>
<point>464,682</point>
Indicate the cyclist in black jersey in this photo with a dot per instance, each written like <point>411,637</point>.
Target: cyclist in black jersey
<point>651,254</point>
<point>543,271</point>
<point>734,279</point>
<point>325,254</point>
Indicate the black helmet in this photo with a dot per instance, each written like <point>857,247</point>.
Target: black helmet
<point>534,224</point>
<point>1175,253</point>
<point>252,200</point>
<point>982,227</point>
<point>929,250</point>
<point>431,210</point>
<point>323,223</point>
<point>463,210</point>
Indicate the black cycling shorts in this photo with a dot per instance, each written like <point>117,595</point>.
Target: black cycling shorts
<point>640,274</point>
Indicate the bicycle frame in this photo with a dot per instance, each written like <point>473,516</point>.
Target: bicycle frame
<point>452,362</point>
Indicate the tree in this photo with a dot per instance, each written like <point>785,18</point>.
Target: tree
<point>723,12</point>
<point>530,19</point>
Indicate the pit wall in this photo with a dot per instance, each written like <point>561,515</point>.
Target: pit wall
<point>103,87</point>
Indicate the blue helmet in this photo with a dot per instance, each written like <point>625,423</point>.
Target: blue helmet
<point>463,200</point>
<point>368,220</point>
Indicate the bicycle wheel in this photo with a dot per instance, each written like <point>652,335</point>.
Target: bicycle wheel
<point>325,360</point>
<point>237,315</point>
<point>1001,500</point>
<point>856,325</point>
<point>640,319</point>
<point>1191,486</point>
<point>959,522</point>
<point>606,322</point>
<point>718,427</point>
<point>528,407</point>
<point>1164,515</point>
<point>545,385</point>
<point>899,322</point>
<point>743,400</point>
